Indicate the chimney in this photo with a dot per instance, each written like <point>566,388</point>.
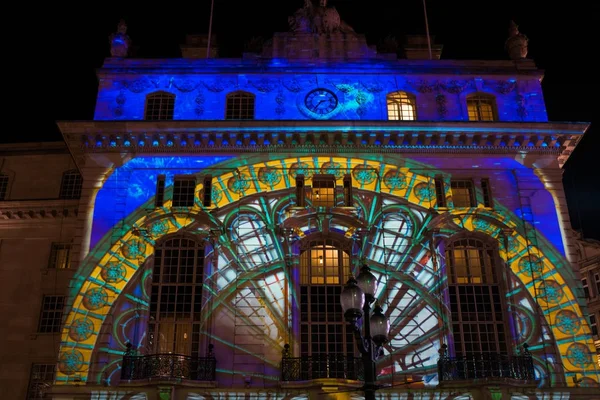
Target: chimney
<point>196,45</point>
<point>416,48</point>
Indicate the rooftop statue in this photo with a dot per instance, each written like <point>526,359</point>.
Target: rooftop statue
<point>516,44</point>
<point>321,18</point>
<point>120,41</point>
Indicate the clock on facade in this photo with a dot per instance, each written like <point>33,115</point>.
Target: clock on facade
<point>321,101</point>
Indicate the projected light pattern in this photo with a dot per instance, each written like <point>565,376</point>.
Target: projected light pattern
<point>249,283</point>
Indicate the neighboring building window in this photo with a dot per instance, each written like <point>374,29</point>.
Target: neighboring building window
<point>597,279</point>
<point>593,325</point>
<point>159,198</point>
<point>60,256</point>
<point>40,380</point>
<point>401,106</point>
<point>323,191</point>
<point>176,297</point>
<point>3,186</point>
<point>70,186</point>
<point>324,267</point>
<point>240,105</point>
<point>478,322</point>
<point>159,106</point>
<point>487,193</point>
<point>183,191</point>
<point>440,193</point>
<point>463,194</point>
<point>51,315</point>
<point>586,289</point>
<point>481,107</point>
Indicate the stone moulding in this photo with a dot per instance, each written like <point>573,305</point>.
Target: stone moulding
<point>38,209</point>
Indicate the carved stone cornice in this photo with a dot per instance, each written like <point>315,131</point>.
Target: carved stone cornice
<point>38,209</point>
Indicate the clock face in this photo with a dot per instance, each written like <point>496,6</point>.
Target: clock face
<point>321,101</point>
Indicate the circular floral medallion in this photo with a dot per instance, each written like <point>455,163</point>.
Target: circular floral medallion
<point>301,168</point>
<point>95,299</point>
<point>394,180</point>
<point>113,272</point>
<point>238,184</point>
<point>81,329</point>
<point>159,228</point>
<point>424,191</point>
<point>332,168</point>
<point>567,322</point>
<point>133,248</point>
<point>531,265</point>
<point>481,224</point>
<point>364,174</point>
<point>70,361</point>
<point>550,292</point>
<point>269,176</point>
<point>579,355</point>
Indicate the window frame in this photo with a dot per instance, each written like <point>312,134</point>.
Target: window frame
<point>71,185</point>
<point>409,100</point>
<point>479,98</point>
<point>163,95</point>
<point>241,96</point>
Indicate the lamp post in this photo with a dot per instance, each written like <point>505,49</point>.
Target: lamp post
<point>356,299</point>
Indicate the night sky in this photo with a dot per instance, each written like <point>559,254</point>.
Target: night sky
<point>68,43</point>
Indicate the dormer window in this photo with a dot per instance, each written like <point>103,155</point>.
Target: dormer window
<point>159,106</point>
<point>401,106</point>
<point>240,105</point>
<point>482,107</point>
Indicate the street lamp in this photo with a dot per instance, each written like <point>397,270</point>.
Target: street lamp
<point>356,300</point>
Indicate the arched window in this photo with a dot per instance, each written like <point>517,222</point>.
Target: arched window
<point>477,314</point>
<point>481,107</point>
<point>159,106</point>
<point>240,105</point>
<point>401,106</point>
<point>176,297</point>
<point>70,186</point>
<point>3,186</point>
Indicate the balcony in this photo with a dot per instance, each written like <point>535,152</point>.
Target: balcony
<point>168,367</point>
<point>336,366</point>
<point>486,366</point>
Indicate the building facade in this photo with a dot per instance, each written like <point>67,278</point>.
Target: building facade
<point>209,216</point>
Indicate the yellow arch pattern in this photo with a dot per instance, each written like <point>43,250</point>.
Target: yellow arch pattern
<point>114,269</point>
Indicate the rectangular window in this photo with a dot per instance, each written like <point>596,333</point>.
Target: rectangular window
<point>348,198</point>
<point>3,186</point>
<point>51,315</point>
<point>60,256</point>
<point>586,289</point>
<point>300,191</point>
<point>597,279</point>
<point>462,193</point>
<point>159,199</point>
<point>593,325</point>
<point>323,191</point>
<point>40,380</point>
<point>240,106</point>
<point>183,191</point>
<point>487,193</point>
<point>440,192</point>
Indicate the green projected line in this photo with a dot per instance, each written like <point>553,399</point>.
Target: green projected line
<point>137,300</point>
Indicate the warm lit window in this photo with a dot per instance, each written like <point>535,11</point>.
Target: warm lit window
<point>478,320</point>
<point>481,107</point>
<point>51,315</point>
<point>183,191</point>
<point>176,297</point>
<point>401,106</point>
<point>159,106</point>
<point>323,191</point>
<point>240,105</point>
<point>60,256</point>
<point>3,186</point>
<point>40,381</point>
<point>463,194</point>
<point>70,186</point>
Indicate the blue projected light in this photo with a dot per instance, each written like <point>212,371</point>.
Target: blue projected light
<point>139,177</point>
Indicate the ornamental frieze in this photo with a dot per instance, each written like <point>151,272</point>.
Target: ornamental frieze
<point>264,85</point>
<point>218,85</point>
<point>500,86</point>
<point>450,86</point>
<point>185,85</point>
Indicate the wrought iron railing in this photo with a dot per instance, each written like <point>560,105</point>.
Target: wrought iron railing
<point>168,366</point>
<point>307,368</point>
<point>477,366</point>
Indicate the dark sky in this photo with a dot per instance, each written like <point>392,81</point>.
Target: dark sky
<point>68,43</point>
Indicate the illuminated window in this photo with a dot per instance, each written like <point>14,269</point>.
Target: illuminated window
<point>183,191</point>
<point>240,105</point>
<point>40,381</point>
<point>159,106</point>
<point>401,106</point>
<point>481,107</point>
<point>3,186</point>
<point>70,186</point>
<point>323,191</point>
<point>463,194</point>
<point>51,315</point>
<point>176,297</point>
<point>478,320</point>
<point>324,267</point>
<point>60,256</point>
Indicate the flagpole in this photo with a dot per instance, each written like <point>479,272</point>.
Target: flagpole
<point>212,5</point>
<point>427,30</point>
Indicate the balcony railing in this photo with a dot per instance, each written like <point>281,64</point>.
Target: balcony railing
<point>168,366</point>
<point>306,368</point>
<point>478,366</point>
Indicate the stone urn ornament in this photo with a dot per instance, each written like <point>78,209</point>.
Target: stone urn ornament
<point>516,44</point>
<point>120,41</point>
